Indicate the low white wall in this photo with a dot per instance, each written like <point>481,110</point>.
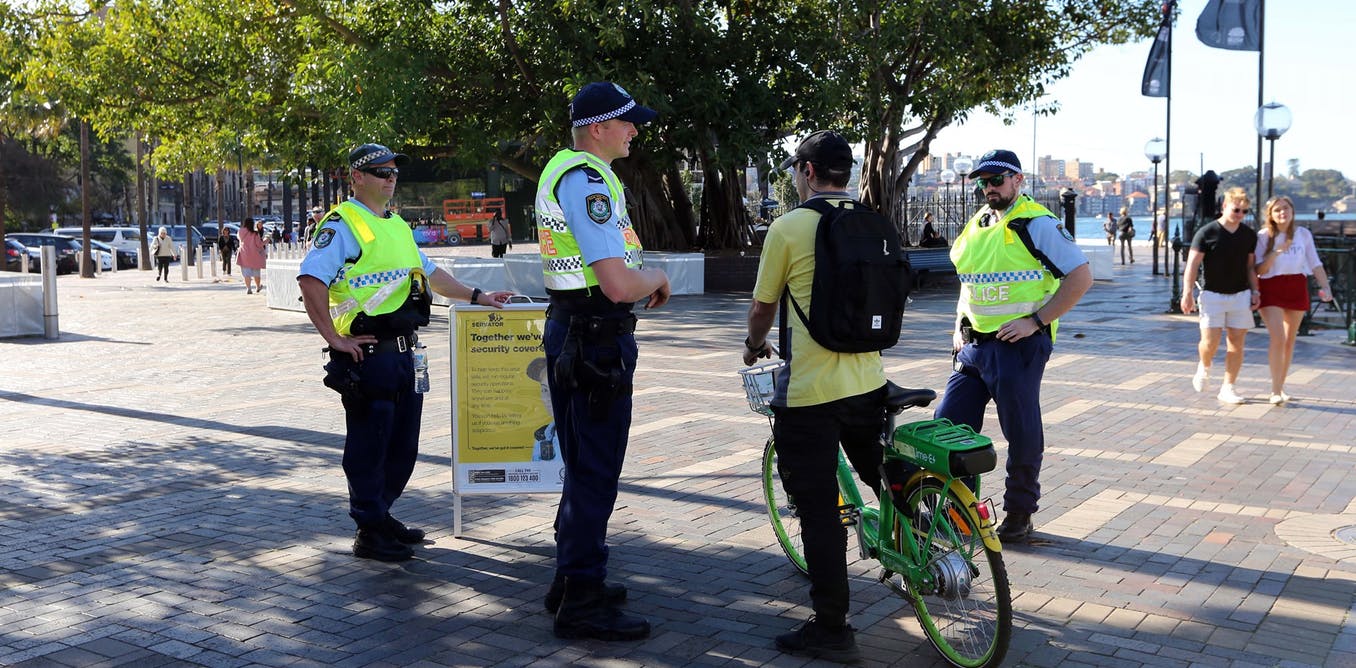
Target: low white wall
<point>21,305</point>
<point>280,284</point>
<point>523,271</point>
<point>1100,261</point>
<point>686,271</point>
<point>488,274</point>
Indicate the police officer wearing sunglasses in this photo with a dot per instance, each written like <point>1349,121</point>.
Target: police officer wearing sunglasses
<point>591,263</point>
<point>1020,270</point>
<point>366,288</point>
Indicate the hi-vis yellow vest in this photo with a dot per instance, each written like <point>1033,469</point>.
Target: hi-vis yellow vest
<point>379,282</point>
<point>1000,279</point>
<point>561,263</point>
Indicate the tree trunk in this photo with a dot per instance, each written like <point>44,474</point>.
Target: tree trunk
<point>86,264</point>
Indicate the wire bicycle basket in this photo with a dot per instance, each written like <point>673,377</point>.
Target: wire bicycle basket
<point>759,386</point>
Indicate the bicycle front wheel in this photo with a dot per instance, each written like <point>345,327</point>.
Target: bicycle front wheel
<point>965,607</point>
<point>781,509</point>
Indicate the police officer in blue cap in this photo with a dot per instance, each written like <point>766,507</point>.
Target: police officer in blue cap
<point>365,285</point>
<point>1020,270</point>
<point>591,261</point>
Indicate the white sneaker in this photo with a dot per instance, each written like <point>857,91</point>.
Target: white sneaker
<point>1201,380</point>
<point>1228,395</point>
<point>1278,399</point>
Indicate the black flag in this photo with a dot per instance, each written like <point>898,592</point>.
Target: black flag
<point>1157,75</point>
<point>1231,24</point>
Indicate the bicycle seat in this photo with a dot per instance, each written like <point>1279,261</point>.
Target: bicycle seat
<point>898,398</point>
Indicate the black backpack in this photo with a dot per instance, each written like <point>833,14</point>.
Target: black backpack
<point>861,280</point>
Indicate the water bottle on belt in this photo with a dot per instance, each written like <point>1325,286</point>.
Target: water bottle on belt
<point>420,369</point>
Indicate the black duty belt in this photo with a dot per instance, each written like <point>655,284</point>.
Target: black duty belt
<point>969,335</point>
<point>390,344</point>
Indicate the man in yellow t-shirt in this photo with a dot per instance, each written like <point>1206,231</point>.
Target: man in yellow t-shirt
<point>823,398</point>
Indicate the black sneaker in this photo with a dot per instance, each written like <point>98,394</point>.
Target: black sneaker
<point>402,533</point>
<point>816,640</point>
<point>376,543</point>
<point>614,593</point>
<point>1016,528</point>
<point>585,613</point>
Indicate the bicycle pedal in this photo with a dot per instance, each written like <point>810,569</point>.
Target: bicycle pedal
<point>848,515</point>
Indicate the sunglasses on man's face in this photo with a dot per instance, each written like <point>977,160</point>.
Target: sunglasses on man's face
<point>381,172</point>
<point>1242,211</point>
<point>992,181</point>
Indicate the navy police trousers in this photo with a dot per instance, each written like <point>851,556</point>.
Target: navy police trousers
<point>383,434</point>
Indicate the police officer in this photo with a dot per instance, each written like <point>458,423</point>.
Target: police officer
<point>591,263</point>
<point>365,285</point>
<point>1020,270</point>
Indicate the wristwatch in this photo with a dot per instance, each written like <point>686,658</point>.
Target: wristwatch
<point>475,294</point>
<point>1039,324</point>
<point>749,344</point>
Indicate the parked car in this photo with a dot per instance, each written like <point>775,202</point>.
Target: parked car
<point>122,238</point>
<point>14,256</point>
<point>67,249</point>
<point>126,259</point>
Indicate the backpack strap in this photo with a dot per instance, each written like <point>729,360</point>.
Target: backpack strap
<point>822,207</point>
<point>1018,225</point>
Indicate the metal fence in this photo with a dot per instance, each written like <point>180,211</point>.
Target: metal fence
<point>950,211</point>
<point>1339,261</point>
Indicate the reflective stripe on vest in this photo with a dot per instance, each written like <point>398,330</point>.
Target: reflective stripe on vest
<point>562,264</point>
<point>379,280</point>
<point>1000,279</point>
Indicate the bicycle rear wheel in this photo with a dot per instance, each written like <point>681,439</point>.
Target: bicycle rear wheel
<point>966,610</point>
<point>781,509</point>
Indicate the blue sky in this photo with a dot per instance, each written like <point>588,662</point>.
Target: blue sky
<point>1103,119</point>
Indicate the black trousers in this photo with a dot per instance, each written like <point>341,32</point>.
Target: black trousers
<point>162,263</point>
<point>807,440</point>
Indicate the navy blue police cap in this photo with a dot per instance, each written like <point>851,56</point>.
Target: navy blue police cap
<point>374,154</point>
<point>998,161</point>
<point>603,101</point>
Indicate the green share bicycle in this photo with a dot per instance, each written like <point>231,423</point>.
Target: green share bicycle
<point>933,538</point>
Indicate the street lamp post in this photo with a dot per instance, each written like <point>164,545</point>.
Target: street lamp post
<point>948,176</point>
<point>1272,120</point>
<point>963,167</point>
<point>1154,150</point>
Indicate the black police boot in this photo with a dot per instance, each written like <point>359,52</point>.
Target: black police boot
<point>615,593</point>
<point>402,533</point>
<point>822,641</point>
<point>377,543</point>
<point>1016,528</point>
<point>585,613</point>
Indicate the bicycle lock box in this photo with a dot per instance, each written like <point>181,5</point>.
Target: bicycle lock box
<point>953,450</point>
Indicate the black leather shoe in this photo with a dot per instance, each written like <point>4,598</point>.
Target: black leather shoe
<point>377,543</point>
<point>402,533</point>
<point>1016,528</point>
<point>820,641</point>
<point>585,613</point>
<point>614,593</point>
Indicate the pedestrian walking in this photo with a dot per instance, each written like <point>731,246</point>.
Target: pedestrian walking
<point>1110,228</point>
<point>1286,256</point>
<point>365,286</point>
<point>1226,247</point>
<point>253,256</point>
<point>1126,232</point>
<point>228,245</point>
<point>591,266</point>
<point>500,238</point>
<point>1020,271</point>
<point>162,249</point>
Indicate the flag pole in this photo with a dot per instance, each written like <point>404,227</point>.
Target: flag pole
<point>1261,53</point>
<point>1167,157</point>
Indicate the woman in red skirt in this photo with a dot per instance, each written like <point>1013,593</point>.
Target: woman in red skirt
<point>1285,257</point>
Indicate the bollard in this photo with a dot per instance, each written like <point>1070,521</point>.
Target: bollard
<point>183,263</point>
<point>47,265</point>
<point>114,263</point>
<point>214,262</point>
<point>197,259</point>
<point>23,262</point>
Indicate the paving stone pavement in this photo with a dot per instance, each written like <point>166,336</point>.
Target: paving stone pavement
<point>171,494</point>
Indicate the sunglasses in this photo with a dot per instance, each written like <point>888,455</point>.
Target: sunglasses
<point>1243,211</point>
<point>992,181</point>
<point>381,172</point>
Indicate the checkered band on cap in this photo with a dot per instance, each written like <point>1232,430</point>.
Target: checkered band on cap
<point>990,165</point>
<point>370,157</point>
<point>604,117</point>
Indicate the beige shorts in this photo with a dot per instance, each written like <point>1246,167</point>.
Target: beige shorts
<point>1233,311</point>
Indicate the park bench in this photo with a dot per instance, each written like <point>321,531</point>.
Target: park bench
<point>925,263</point>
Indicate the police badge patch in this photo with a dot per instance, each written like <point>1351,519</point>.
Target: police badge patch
<point>325,237</point>
<point>1064,232</point>
<point>599,206</point>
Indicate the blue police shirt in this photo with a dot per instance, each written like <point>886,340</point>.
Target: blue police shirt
<point>325,263</point>
<point>597,240</point>
<point>1049,238</point>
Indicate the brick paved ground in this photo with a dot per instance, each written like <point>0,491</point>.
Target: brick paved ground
<point>170,494</point>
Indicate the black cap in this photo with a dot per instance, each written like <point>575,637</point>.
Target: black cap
<point>998,161</point>
<point>603,101</point>
<point>374,154</point>
<point>826,148</point>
